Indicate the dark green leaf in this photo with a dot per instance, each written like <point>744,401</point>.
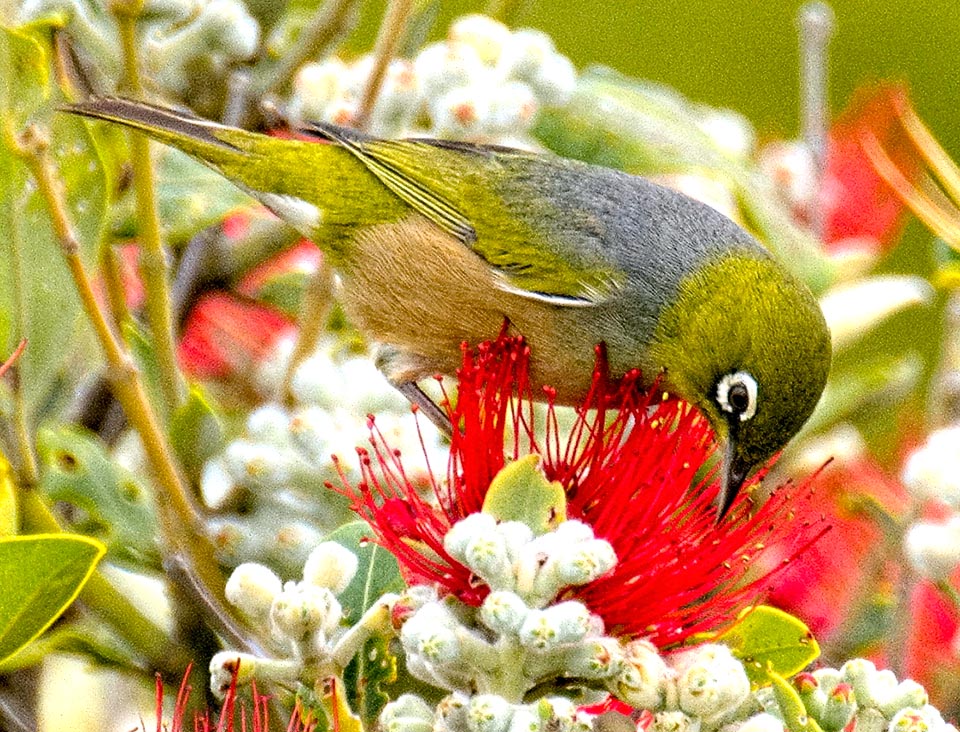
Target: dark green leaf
<point>377,570</point>
<point>365,678</point>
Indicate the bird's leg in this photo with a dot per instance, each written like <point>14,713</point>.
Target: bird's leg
<point>429,408</point>
<point>401,369</point>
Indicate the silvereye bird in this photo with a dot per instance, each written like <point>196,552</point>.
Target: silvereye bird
<point>436,242</point>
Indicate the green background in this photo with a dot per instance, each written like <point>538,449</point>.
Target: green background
<point>744,54</point>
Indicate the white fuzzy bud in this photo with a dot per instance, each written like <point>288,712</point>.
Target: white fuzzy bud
<point>860,673</point>
<point>464,531</point>
<point>226,665</point>
<point>271,424</point>
<point>595,658</point>
<point>711,682</point>
<point>913,719</point>
<point>908,693</point>
<point>441,67</point>
<point>555,81</point>
<point>451,713</point>
<point>316,86</point>
<point>231,28</point>
<point>730,132</point>
<point>525,719</point>
<point>256,464</point>
<point>488,713</point>
<point>516,536</point>
<point>462,112</point>
<point>673,721</point>
<point>585,562</point>
<point>565,622</point>
<point>301,609</point>
<point>933,549</point>
<point>525,53</point>
<point>330,565</point>
<point>431,633</point>
<point>317,380</point>
<point>487,557</point>
<point>485,35</point>
<point>216,484</point>
<point>762,723</point>
<point>512,108</point>
<point>252,588</point>
<point>504,612</point>
<point>408,713</point>
<point>933,471</point>
<point>642,676</point>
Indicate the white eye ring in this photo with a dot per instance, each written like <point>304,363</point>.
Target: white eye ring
<point>739,378</point>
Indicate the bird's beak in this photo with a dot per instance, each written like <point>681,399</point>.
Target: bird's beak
<point>735,471</point>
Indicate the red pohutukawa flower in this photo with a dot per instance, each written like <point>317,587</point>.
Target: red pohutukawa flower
<point>632,466</point>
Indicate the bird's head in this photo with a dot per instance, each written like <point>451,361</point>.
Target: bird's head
<point>746,343</point>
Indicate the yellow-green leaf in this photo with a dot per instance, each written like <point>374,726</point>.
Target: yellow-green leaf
<point>40,576</point>
<point>521,492</point>
<point>8,499</point>
<point>770,642</point>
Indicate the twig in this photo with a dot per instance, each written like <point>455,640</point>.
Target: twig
<point>180,525</point>
<point>388,38</point>
<point>153,261</point>
<point>111,267</point>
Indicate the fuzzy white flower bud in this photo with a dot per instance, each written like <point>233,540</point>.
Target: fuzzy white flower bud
<point>762,722</point>
<point>933,471</point>
<point>488,713</point>
<point>585,562</point>
<point>271,424</point>
<point>451,713</point>
<point>464,531</point>
<point>301,609</point>
<point>711,682</point>
<point>443,66</point>
<point>512,108</point>
<point>525,53</point>
<point>673,721</point>
<point>516,536</point>
<point>216,484</point>
<point>227,664</point>
<point>256,464</point>
<point>730,132</point>
<point>431,633</point>
<point>933,549</point>
<point>330,565</point>
<point>912,719</point>
<point>908,693</point>
<point>595,658</point>
<point>643,675</point>
<point>462,112</point>
<point>525,719</point>
<point>230,27</point>
<point>487,557</point>
<point>554,81</point>
<point>318,381</point>
<point>485,35</point>
<point>504,612</point>
<point>565,622</point>
<point>315,87</point>
<point>408,713</point>
<point>252,588</point>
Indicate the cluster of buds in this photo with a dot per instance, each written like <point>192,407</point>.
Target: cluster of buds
<point>267,486</point>
<point>300,621</point>
<point>857,693</point>
<point>181,37</point>
<point>521,639</point>
<point>483,83</point>
<point>932,474</point>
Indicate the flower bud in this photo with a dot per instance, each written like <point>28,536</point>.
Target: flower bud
<point>585,562</point>
<point>227,664</point>
<point>711,682</point>
<point>839,706</point>
<point>463,112</point>
<point>555,81</point>
<point>933,549</point>
<point>910,720</point>
<point>673,721</point>
<point>317,381</point>
<point>859,673</point>
<point>516,535</point>
<point>217,486</point>
<point>301,609</point>
<point>330,565</point>
<point>441,67</point>
<point>431,633</point>
<point>643,675</point>
<point>504,612</point>
<point>487,557</point>
<point>408,713</point>
<point>315,87</point>
<point>525,719</point>
<point>762,722</point>
<point>908,693</point>
<point>512,109</point>
<point>256,464</point>
<point>525,53</point>
<point>464,531</point>
<point>485,35</point>
<point>933,471</point>
<point>252,588</point>
<point>488,713</point>
<point>451,713</point>
<point>595,658</point>
<point>271,424</point>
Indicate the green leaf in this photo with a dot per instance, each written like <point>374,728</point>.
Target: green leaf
<point>113,505</point>
<point>365,678</point>
<point>37,293</point>
<point>795,715</point>
<point>377,570</point>
<point>521,492</point>
<point>9,516</point>
<point>196,432</point>
<point>40,575</point>
<point>770,642</point>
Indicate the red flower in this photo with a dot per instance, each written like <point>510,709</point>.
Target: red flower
<point>633,468</point>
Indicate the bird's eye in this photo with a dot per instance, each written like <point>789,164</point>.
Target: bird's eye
<point>737,394</point>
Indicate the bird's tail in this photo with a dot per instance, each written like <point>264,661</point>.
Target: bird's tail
<point>215,144</point>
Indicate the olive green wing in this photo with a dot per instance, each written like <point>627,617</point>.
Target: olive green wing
<point>459,187</point>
